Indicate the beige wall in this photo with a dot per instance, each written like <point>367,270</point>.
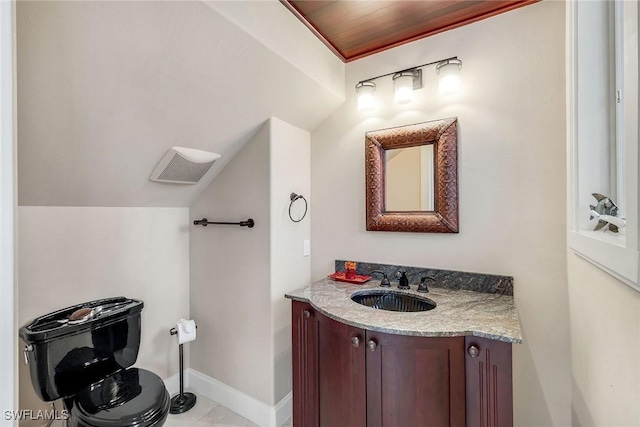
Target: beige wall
<point>511,113</point>
<point>290,172</point>
<point>230,294</point>
<point>72,255</point>
<point>239,276</point>
<point>105,88</point>
<point>605,325</point>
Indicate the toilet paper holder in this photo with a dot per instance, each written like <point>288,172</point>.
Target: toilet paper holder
<point>181,402</point>
<point>174,331</point>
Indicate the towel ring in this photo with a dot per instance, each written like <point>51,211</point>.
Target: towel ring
<point>293,198</point>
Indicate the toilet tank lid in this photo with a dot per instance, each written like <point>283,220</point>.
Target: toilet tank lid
<point>78,318</point>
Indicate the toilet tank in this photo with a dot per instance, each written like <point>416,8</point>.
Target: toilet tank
<point>72,348</point>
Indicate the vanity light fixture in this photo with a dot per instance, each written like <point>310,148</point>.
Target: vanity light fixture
<point>449,73</point>
<point>405,82</point>
<point>366,100</point>
<point>409,80</point>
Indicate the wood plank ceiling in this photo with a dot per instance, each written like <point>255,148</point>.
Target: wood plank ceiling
<point>355,29</point>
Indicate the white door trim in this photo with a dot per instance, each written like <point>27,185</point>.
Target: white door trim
<point>8,332</point>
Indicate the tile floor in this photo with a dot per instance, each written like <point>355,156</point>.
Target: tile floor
<point>212,414</point>
<point>206,413</point>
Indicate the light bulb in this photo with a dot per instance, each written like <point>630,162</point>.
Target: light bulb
<point>366,99</point>
<point>449,72</point>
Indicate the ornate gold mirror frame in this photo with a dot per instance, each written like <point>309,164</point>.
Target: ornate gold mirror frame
<point>443,134</point>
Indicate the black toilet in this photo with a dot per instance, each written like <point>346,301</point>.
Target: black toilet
<point>83,355</point>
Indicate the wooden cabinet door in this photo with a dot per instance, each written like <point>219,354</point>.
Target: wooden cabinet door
<point>415,381</point>
<point>304,325</point>
<point>341,374</point>
<point>489,383</point>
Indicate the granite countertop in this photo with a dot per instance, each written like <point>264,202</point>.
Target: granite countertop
<point>458,312</point>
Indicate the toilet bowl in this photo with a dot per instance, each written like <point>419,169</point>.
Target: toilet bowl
<point>83,355</point>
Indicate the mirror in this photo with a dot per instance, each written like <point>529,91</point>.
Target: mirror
<point>412,178</point>
<point>409,180</point>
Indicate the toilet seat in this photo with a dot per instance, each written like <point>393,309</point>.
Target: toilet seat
<point>130,397</point>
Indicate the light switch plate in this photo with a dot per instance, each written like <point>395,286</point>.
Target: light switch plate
<point>306,248</point>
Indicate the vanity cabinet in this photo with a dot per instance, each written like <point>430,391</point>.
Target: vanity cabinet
<point>489,391</point>
<point>304,330</point>
<point>351,377</point>
<point>414,381</point>
<point>342,379</point>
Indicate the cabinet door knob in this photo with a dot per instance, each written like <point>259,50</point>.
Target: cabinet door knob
<point>355,341</point>
<point>473,351</point>
<point>306,314</point>
<point>372,345</point>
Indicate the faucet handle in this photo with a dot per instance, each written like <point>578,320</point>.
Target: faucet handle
<point>422,287</point>
<point>385,280</point>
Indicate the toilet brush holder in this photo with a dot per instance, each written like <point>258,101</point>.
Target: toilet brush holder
<point>181,402</point>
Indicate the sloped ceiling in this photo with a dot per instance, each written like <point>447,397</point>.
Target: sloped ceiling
<point>105,88</point>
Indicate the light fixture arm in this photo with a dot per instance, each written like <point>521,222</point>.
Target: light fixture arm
<point>450,61</point>
<point>412,69</point>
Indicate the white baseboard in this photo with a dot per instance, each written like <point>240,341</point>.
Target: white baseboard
<point>284,409</point>
<point>249,407</point>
